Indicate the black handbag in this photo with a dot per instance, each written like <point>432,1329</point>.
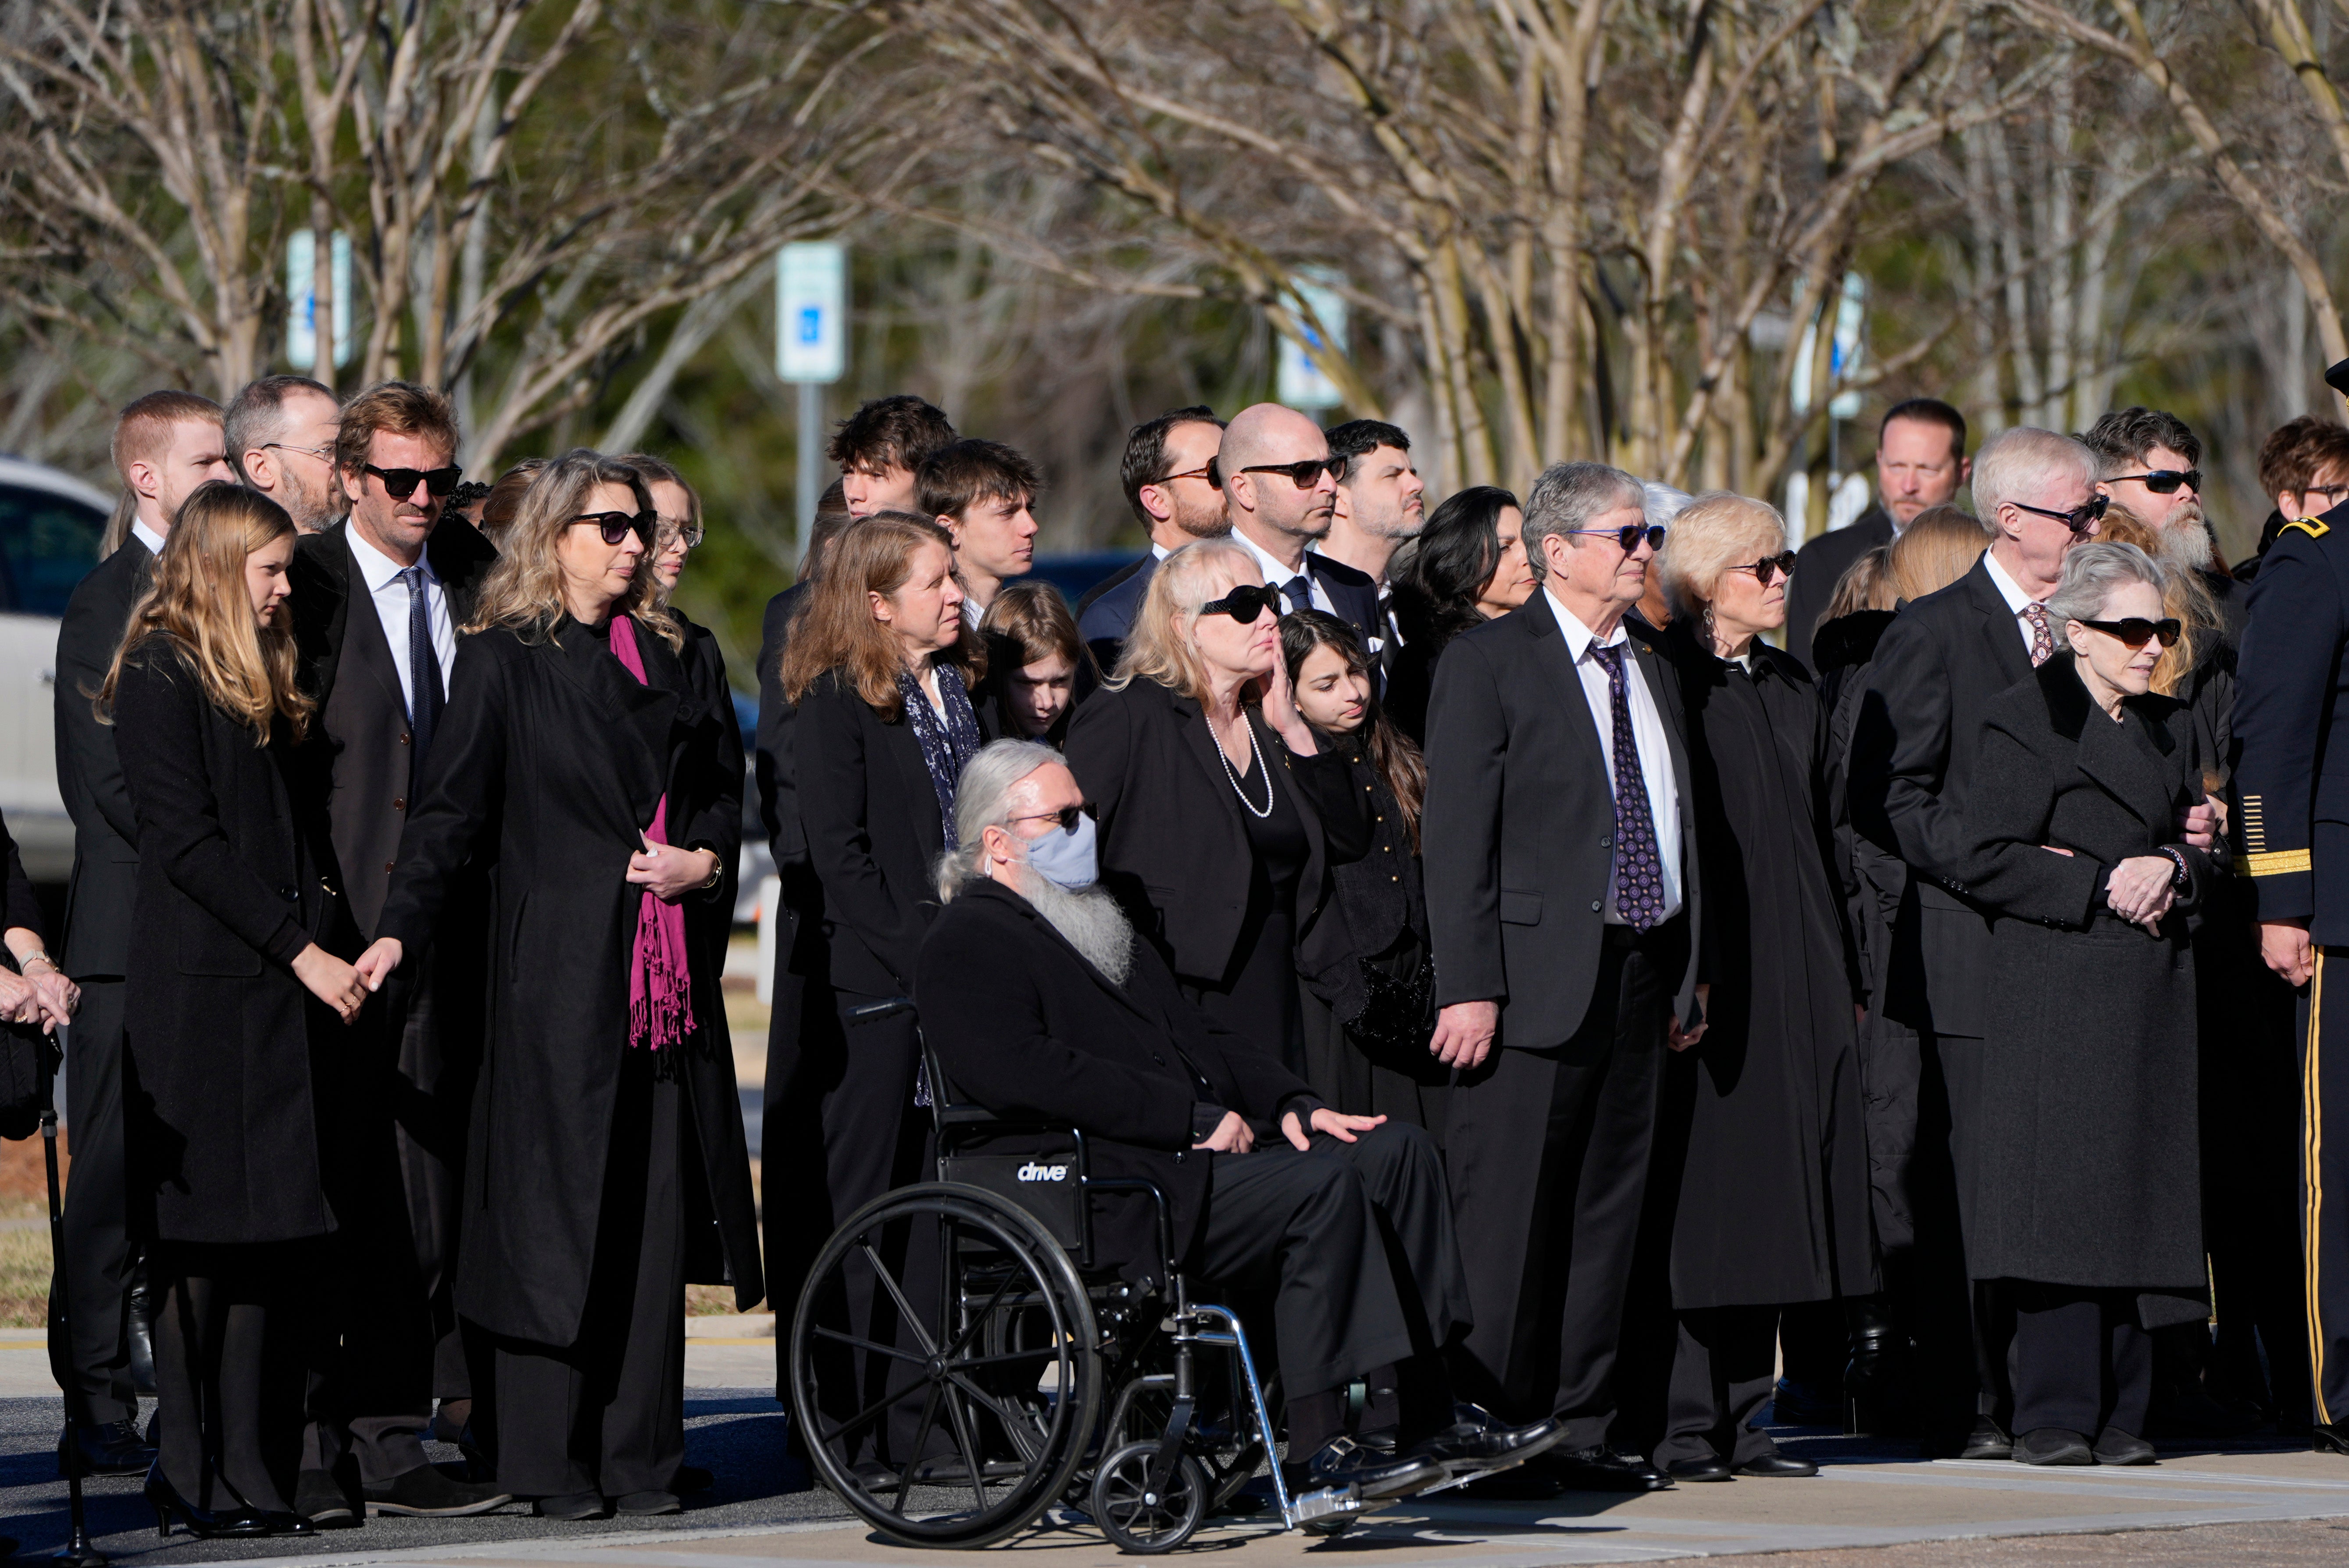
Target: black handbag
<point>1398,1015</point>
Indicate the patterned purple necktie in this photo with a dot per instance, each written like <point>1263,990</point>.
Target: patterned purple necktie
<point>1639,868</point>
<point>2043,636</point>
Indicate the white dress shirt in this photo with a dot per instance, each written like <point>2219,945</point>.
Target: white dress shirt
<point>1277,577</point>
<point>1647,736</point>
<point>2016,599</point>
<point>147,537</point>
<point>381,573</point>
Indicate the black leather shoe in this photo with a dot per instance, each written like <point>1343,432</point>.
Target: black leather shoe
<point>689,1480</point>
<point>647,1504</point>
<point>141,1308</point>
<point>1343,1461</point>
<point>1476,1440</point>
<point>320,1498</point>
<point>2332,1439</point>
<point>1712,1468</point>
<point>1601,1468</point>
<point>1775,1464</point>
<point>275,1523</point>
<point>110,1448</point>
<point>2115,1446</point>
<point>1989,1440</point>
<point>172,1511</point>
<point>573,1505</point>
<point>425,1493</point>
<point>2053,1445</point>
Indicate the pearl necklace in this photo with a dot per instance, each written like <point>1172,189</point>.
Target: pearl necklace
<point>1258,753</point>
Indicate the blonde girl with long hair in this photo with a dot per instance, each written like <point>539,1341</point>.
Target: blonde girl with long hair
<point>233,992</point>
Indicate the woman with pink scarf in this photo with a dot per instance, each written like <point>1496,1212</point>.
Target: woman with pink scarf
<point>607,1164</point>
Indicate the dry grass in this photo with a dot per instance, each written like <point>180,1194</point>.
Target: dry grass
<point>23,1276</point>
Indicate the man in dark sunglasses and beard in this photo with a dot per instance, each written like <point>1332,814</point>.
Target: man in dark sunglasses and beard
<point>379,599</point>
<point>2149,462</point>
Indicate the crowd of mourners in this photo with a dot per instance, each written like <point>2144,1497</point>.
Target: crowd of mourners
<point>1602,979</point>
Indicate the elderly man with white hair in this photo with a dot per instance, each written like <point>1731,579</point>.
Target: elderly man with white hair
<point>1043,1007</point>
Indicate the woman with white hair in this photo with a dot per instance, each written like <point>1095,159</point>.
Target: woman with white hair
<point>1761,1153</point>
<point>2088,1202</point>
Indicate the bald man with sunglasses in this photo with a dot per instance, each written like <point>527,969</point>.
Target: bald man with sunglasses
<point>1280,492</point>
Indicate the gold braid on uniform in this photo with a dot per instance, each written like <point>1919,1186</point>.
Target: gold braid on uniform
<point>2257,859</point>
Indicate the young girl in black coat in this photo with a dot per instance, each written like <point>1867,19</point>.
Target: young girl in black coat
<point>231,1008</point>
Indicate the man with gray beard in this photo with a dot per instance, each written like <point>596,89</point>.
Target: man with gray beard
<point>2147,461</point>
<point>1043,1007</point>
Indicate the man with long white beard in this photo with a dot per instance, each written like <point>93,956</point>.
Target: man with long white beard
<point>1043,1007</point>
<point>2147,461</point>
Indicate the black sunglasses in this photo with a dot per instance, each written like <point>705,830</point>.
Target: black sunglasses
<point>2164,481</point>
<point>1631,534</point>
<point>2080,519</point>
<point>617,526</point>
<point>399,483</point>
<point>1769,566</point>
<point>2137,632</point>
<point>1306,474</point>
<point>1244,603</point>
<point>1206,470</point>
<point>1067,816</point>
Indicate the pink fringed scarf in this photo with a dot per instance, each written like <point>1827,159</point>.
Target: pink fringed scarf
<point>660,983</point>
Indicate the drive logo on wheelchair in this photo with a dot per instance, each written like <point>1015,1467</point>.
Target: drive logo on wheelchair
<point>1031,1171</point>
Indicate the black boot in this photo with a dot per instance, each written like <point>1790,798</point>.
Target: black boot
<point>138,1309</point>
<point>1876,1384</point>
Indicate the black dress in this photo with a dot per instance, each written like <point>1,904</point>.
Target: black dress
<point>1255,997</point>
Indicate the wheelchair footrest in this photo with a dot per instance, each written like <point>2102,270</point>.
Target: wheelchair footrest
<point>1323,1502</point>
<point>1462,1477</point>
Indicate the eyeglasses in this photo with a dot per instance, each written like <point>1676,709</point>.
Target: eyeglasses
<point>399,483</point>
<point>1305,474</point>
<point>2137,632</point>
<point>2332,493</point>
<point>1769,568</point>
<point>1206,470</point>
<point>2080,519</point>
<point>617,526</point>
<point>325,454</point>
<point>1067,816</point>
<point>1630,534</point>
<point>1245,603</point>
<point>689,534</point>
<point>2164,481</point>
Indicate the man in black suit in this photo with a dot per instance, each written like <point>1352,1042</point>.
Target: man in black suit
<point>1281,489</point>
<point>1562,896</point>
<point>1167,474</point>
<point>1381,503</point>
<point>2147,461</point>
<point>378,601</point>
<point>1042,1005</point>
<point>165,444</point>
<point>1920,461</point>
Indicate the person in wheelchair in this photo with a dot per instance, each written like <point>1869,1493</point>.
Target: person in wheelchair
<point>1042,1006</point>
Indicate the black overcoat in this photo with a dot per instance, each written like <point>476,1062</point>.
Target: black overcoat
<point>96,940</point>
<point>1025,1026</point>
<point>2091,1170</point>
<point>1762,1148</point>
<point>229,1055</point>
<point>552,758</point>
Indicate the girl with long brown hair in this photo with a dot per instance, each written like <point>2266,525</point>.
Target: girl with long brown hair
<point>232,994</point>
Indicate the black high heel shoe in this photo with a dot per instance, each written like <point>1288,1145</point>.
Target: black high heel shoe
<point>201,1522</point>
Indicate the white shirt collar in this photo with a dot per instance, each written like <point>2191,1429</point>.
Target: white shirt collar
<point>147,537</point>
<point>1159,552</point>
<point>1276,576</point>
<point>1578,637</point>
<point>379,569</point>
<point>2008,589</point>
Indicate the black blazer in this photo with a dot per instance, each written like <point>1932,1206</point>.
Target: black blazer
<point>1106,613</point>
<point>1356,596</point>
<point>1820,565</point>
<point>778,804</point>
<point>23,910</point>
<point>222,1124</point>
<point>1914,742</point>
<point>1173,848</point>
<point>1025,1026</point>
<point>90,772</point>
<point>363,729</point>
<point>551,759</point>
<point>1518,837</point>
<point>870,814</point>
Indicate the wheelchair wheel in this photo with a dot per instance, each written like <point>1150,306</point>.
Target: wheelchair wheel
<point>1142,1519</point>
<point>925,1416</point>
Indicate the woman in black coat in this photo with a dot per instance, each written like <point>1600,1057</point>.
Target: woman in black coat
<point>230,1010</point>
<point>1761,1149</point>
<point>2090,1205</point>
<point>607,1165</point>
<point>1220,814</point>
<point>1367,1018</point>
<point>1467,566</point>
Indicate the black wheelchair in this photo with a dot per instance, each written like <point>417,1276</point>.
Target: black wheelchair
<point>1012,1361</point>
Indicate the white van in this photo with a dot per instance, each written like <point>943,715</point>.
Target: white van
<point>50,524</point>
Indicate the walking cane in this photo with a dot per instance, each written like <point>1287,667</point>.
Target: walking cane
<point>76,1551</point>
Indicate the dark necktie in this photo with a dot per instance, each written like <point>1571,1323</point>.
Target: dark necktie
<point>2043,636</point>
<point>1300,592</point>
<point>426,697</point>
<point>1639,868</point>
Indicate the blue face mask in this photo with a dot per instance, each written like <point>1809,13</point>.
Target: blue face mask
<point>1066,857</point>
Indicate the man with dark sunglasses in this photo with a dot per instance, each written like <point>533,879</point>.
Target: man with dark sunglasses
<point>378,601</point>
<point>1280,490</point>
<point>1168,477</point>
<point>2149,463</point>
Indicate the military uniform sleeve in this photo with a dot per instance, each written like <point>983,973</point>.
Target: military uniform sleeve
<point>2288,672</point>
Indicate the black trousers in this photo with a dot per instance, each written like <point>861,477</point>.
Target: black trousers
<point>606,1413</point>
<point>1963,1326</point>
<point>99,1258</point>
<point>2324,1187</point>
<point>1402,1167</point>
<point>237,1336</point>
<point>793,1162</point>
<point>1301,1226</point>
<point>1721,1375</point>
<point>2081,1362</point>
<point>1547,1154</point>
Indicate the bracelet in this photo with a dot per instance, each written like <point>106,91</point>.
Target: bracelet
<point>24,964</point>
<point>2183,877</point>
<point>717,872</point>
